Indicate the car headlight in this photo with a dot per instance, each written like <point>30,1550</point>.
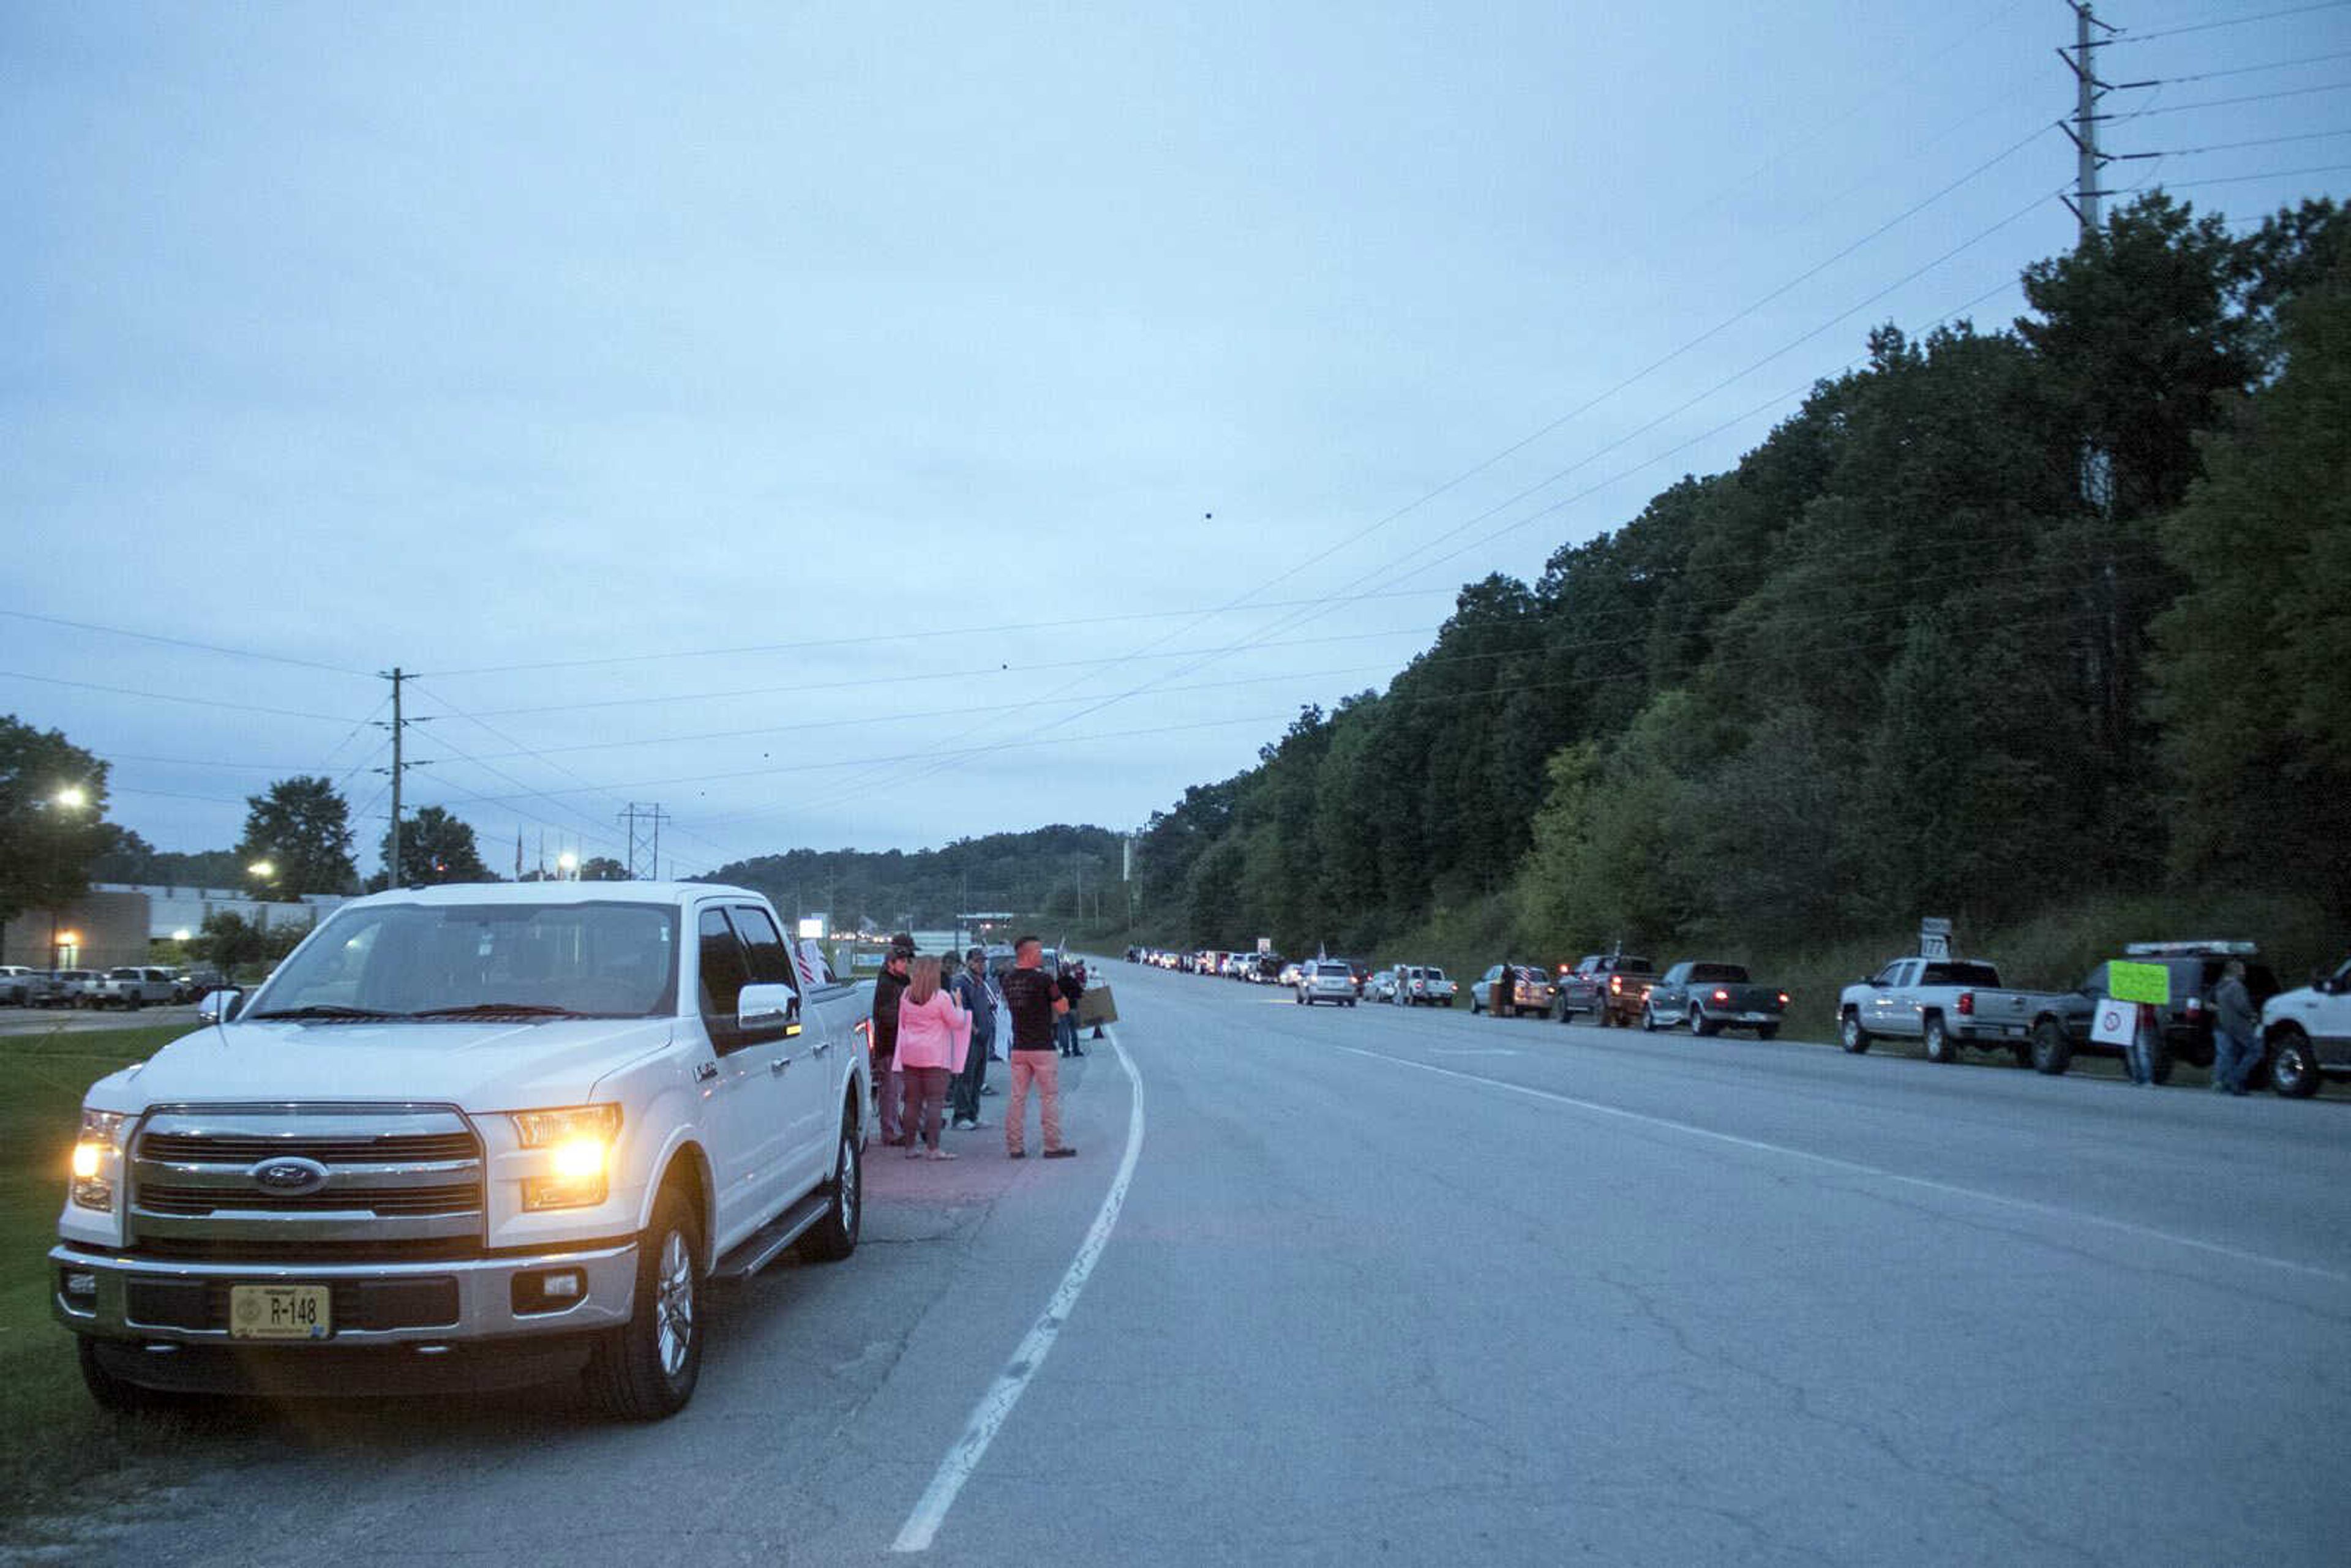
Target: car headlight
<point>580,1140</point>
<point>97,1150</point>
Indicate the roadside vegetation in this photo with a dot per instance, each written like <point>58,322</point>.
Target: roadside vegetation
<point>53,1441</point>
<point>2039,629</point>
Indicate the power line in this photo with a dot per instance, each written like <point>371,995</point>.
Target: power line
<point>180,642</point>
<point>2227,22</point>
<point>2226,102</point>
<point>170,697</point>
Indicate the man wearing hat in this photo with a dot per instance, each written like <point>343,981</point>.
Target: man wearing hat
<point>888,986</point>
<point>970,989</point>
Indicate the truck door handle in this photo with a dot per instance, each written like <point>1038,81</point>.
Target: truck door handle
<point>704,1071</point>
<point>778,1065</point>
<point>821,1047</point>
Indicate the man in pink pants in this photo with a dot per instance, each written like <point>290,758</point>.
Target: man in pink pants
<point>1034,999</point>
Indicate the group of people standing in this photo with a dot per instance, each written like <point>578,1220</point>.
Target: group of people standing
<point>932,1034</point>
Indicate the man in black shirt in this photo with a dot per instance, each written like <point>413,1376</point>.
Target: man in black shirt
<point>888,988</point>
<point>1035,1001</point>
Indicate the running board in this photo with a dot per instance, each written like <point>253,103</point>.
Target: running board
<point>759,1249</point>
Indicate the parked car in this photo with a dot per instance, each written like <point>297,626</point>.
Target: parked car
<point>1288,974</point>
<point>1361,971</point>
<point>1710,998</point>
<point>16,983</point>
<point>1382,986</point>
<point>1266,968</point>
<point>132,988</point>
<point>1423,986</point>
<point>1325,980</point>
<point>1528,990</point>
<point>543,1116</point>
<point>64,988</point>
<point>2307,1033</point>
<point>1609,986</point>
<point>195,985</point>
<point>2061,1030</point>
<point>1944,1004</point>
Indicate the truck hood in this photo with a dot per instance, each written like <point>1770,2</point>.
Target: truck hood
<point>477,1066</point>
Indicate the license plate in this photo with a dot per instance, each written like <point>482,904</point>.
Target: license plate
<point>278,1311</point>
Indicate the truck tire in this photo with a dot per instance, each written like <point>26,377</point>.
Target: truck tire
<point>834,1236</point>
<point>1942,1049</point>
<point>1648,1018</point>
<point>2294,1065</point>
<point>645,1369</point>
<point>2052,1053</point>
<point>1850,1035</point>
<point>1701,1025</point>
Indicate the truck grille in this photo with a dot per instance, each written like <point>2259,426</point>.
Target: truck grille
<point>382,1177</point>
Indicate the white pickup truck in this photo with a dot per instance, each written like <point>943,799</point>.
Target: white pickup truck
<point>1943,1003</point>
<point>2308,1034</point>
<point>469,1136</point>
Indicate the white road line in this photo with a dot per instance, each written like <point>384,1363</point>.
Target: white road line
<point>1876,1172</point>
<point>931,1509</point>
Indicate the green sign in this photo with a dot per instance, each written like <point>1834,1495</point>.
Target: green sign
<point>2139,983</point>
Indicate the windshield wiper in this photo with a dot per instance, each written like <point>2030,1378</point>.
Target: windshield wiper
<point>499,1009</point>
<point>328,1013</point>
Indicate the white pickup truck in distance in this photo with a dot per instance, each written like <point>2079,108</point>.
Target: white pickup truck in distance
<point>2308,1034</point>
<point>469,1136</point>
<point>1943,1003</point>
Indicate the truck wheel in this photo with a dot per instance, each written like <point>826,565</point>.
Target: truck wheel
<point>1767,1032</point>
<point>645,1369</point>
<point>1701,1026</point>
<point>1648,1018</point>
<point>2052,1053</point>
<point>1940,1048</point>
<point>835,1235</point>
<point>115,1394</point>
<point>2294,1066</point>
<point>1850,1035</point>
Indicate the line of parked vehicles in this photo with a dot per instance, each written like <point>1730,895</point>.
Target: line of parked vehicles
<point>1949,1004</point>
<point>129,985</point>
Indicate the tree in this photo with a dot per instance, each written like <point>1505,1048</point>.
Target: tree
<point>53,824</point>
<point>302,830</point>
<point>434,848</point>
<point>602,868</point>
<point>228,940</point>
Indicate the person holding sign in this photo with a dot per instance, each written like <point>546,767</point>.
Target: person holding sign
<point>2137,993</point>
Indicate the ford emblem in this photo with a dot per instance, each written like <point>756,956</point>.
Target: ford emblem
<point>289,1177</point>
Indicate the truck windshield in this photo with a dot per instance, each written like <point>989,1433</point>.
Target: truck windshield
<point>549,960</point>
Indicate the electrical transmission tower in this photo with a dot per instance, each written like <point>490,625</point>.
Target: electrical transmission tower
<point>644,823</point>
<point>2083,132</point>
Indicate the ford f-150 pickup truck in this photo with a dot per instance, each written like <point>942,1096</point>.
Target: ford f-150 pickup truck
<point>1943,1003</point>
<point>1712,998</point>
<point>1609,986</point>
<point>469,1137</point>
<point>2308,1034</point>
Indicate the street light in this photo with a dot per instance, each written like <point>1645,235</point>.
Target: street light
<point>73,797</point>
<point>568,864</point>
<point>262,869</point>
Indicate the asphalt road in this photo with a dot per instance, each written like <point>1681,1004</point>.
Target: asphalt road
<point>1410,1286</point>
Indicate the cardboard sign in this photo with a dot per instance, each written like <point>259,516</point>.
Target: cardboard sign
<point>1934,938</point>
<point>1096,1007</point>
<point>2115,1022</point>
<point>2149,983</point>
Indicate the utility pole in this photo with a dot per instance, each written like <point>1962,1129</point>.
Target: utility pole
<point>2089,162</point>
<point>398,726</point>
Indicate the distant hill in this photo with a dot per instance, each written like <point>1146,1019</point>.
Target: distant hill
<point>1043,873</point>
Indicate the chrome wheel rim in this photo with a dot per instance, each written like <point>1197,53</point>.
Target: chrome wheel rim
<point>848,1185</point>
<point>674,1303</point>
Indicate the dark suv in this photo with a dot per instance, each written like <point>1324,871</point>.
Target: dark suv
<point>2062,1032</point>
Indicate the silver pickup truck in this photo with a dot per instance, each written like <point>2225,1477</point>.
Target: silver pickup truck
<point>1943,1003</point>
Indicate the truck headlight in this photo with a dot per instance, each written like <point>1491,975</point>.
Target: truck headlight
<point>95,1154</point>
<point>580,1140</point>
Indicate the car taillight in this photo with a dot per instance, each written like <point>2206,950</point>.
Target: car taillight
<point>1723,996</point>
<point>1784,999</point>
<point>1616,984</point>
<point>1967,1004</point>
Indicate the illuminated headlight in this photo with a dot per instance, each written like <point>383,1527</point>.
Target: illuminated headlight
<point>579,1144</point>
<point>96,1151</point>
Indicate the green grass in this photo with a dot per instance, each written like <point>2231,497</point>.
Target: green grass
<point>53,1441</point>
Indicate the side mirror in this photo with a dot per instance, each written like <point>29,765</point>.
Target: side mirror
<point>221,1006</point>
<point>770,1010</point>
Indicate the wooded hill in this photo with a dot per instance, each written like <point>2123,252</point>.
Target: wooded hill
<point>1044,874</point>
<point>2058,610</point>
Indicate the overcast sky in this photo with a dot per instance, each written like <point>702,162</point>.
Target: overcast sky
<point>870,427</point>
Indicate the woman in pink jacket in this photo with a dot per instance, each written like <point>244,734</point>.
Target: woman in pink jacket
<point>934,1033</point>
